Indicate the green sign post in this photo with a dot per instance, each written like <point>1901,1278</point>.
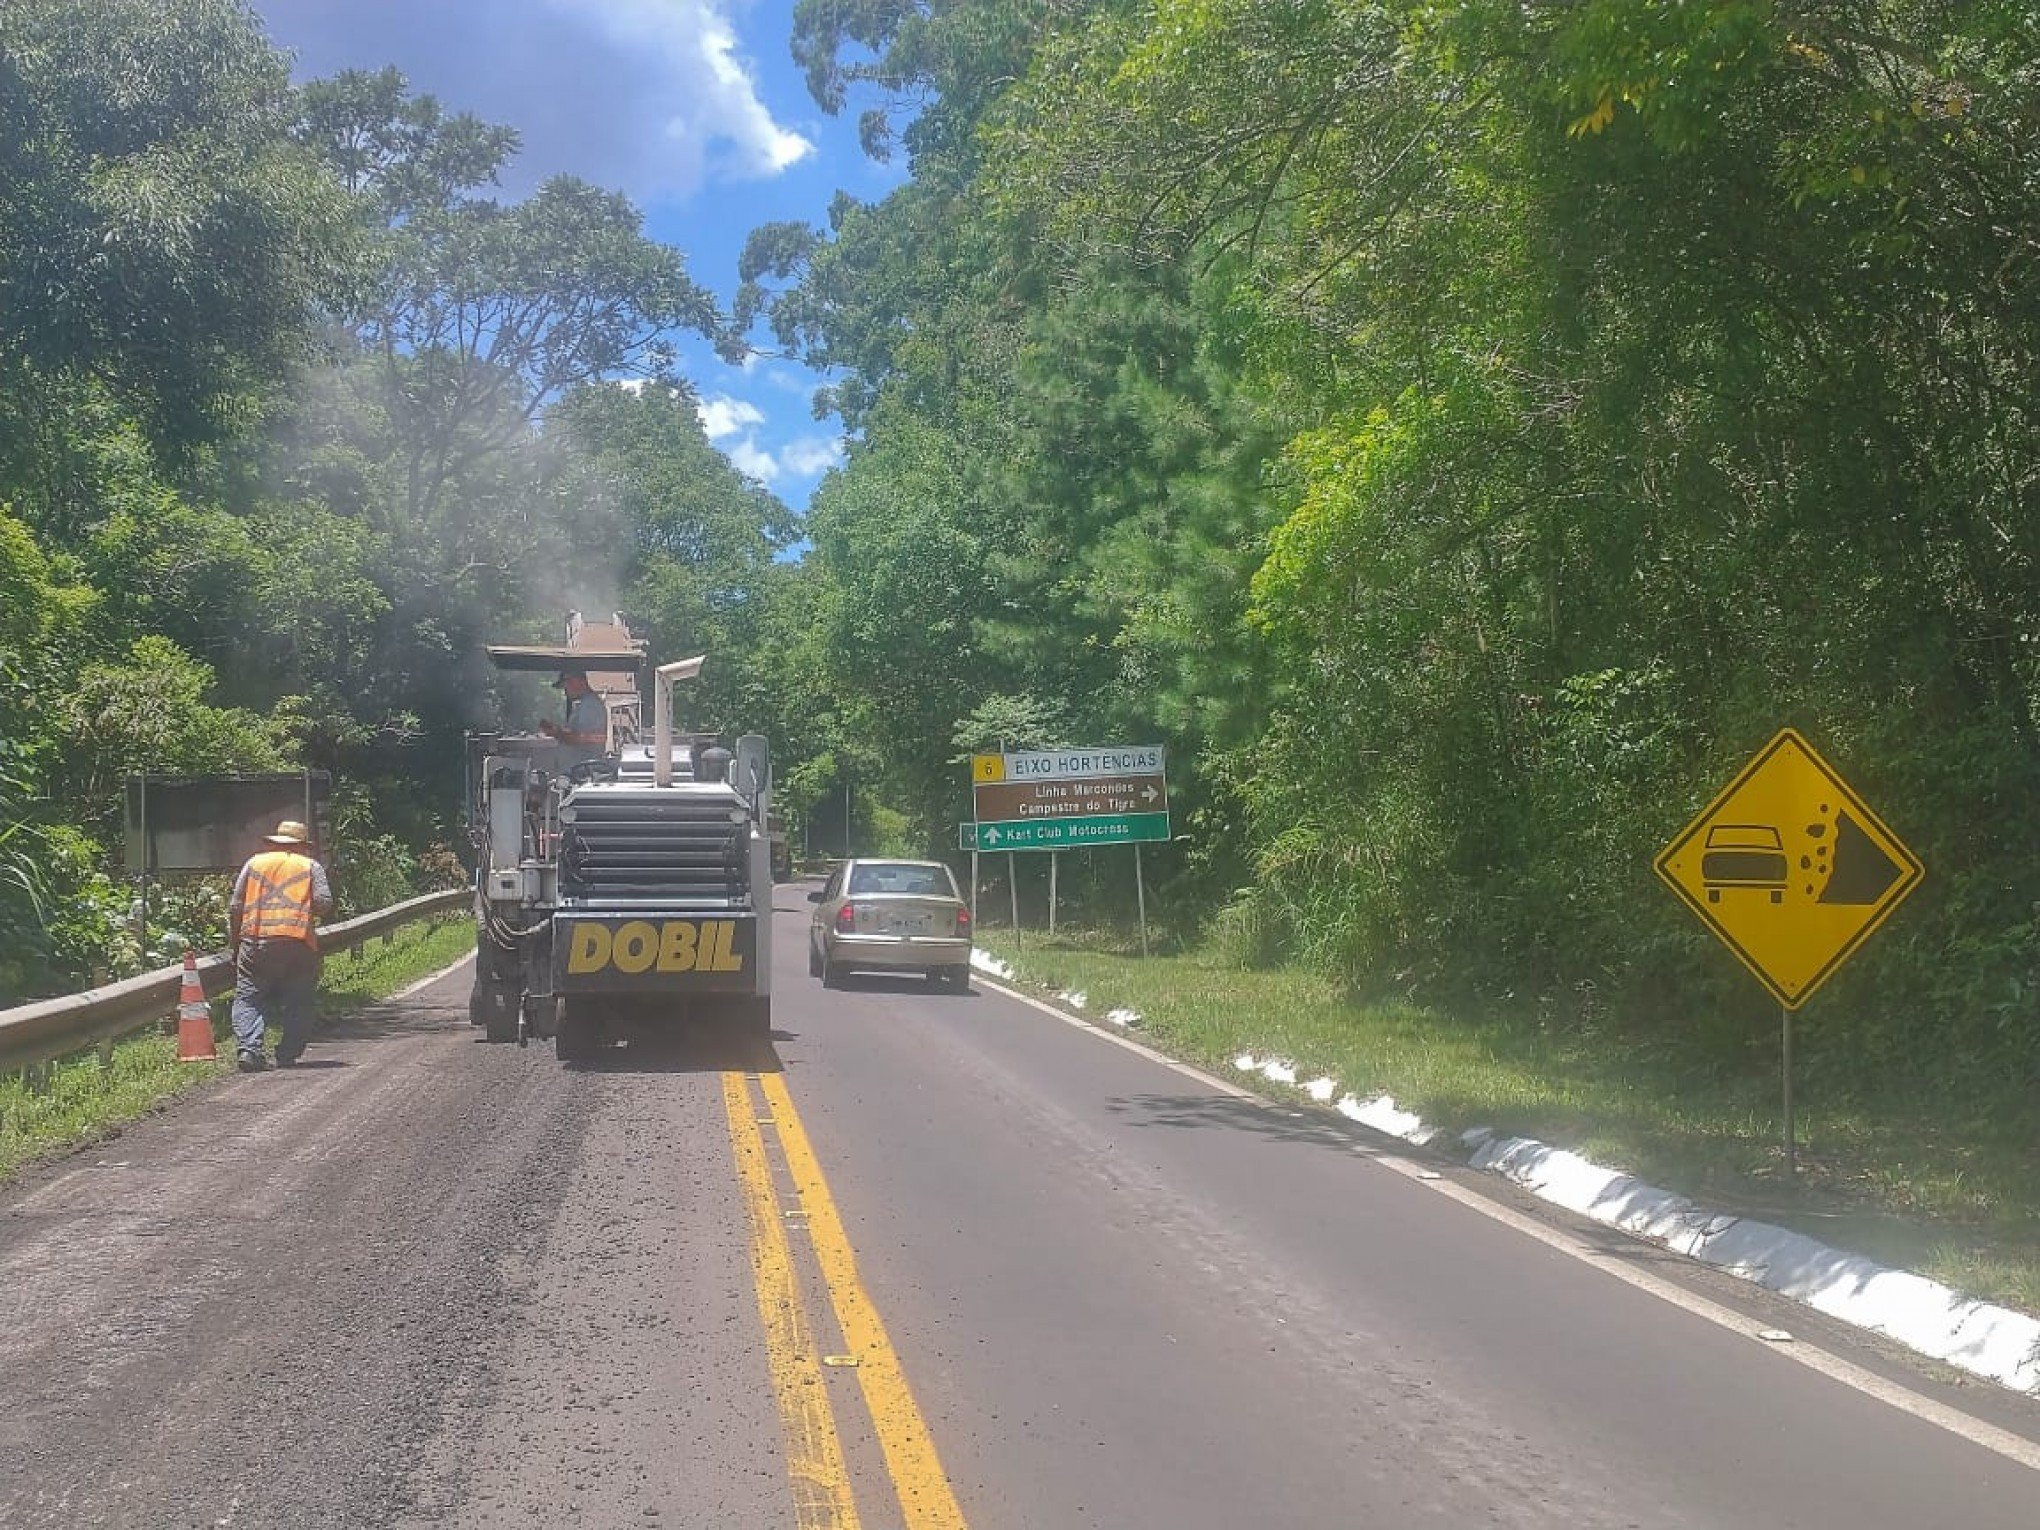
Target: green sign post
<point>1073,833</point>
<point>1067,799</point>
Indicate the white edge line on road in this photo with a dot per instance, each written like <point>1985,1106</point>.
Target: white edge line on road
<point>2002,1442</point>
<point>426,982</point>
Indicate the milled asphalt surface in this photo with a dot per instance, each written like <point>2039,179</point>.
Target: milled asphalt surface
<point>423,1280</point>
<point>443,1283</point>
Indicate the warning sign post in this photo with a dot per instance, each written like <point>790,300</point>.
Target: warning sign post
<point>1790,869</point>
<point>1792,872</point>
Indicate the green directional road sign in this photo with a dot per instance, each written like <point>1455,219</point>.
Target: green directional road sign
<point>1073,833</point>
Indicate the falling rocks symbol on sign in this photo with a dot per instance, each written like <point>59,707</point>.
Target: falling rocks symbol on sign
<point>1862,871</point>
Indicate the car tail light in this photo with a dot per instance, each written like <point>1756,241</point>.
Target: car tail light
<point>963,922</point>
<point>846,919</point>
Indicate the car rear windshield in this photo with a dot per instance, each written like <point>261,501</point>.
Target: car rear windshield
<point>914,881</point>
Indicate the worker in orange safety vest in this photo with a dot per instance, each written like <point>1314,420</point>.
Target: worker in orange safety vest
<point>272,925</point>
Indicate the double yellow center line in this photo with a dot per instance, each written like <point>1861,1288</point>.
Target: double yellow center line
<point>821,1481</point>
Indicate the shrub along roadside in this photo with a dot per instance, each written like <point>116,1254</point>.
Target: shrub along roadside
<point>1958,1200</point>
<point>80,1100</point>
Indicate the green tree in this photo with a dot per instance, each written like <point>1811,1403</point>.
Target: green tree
<point>1474,428</point>
<point>42,610</point>
<point>662,526</point>
<point>162,235</point>
<point>150,713</point>
<point>482,314</point>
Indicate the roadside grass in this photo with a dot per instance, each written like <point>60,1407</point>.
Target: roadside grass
<point>1951,1200</point>
<point>78,1099</point>
<point>373,972</point>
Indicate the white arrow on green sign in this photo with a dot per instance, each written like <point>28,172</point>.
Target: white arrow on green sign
<point>1073,833</point>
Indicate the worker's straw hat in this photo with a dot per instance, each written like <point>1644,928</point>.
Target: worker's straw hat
<point>289,832</point>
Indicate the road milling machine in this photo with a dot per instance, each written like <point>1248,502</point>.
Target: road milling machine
<point>621,887</point>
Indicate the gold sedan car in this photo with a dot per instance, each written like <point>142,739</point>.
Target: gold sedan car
<point>890,916</point>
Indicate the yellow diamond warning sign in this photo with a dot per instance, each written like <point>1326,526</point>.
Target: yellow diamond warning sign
<point>1790,868</point>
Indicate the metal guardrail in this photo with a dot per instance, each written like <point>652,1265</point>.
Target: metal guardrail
<point>50,1028</point>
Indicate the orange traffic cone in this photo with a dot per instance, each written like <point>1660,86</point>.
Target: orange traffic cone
<point>194,1017</point>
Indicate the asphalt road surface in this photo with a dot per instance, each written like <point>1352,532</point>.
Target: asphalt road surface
<point>923,1260</point>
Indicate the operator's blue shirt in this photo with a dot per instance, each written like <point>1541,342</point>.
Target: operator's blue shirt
<point>588,714</point>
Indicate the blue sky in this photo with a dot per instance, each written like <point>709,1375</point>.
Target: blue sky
<point>692,107</point>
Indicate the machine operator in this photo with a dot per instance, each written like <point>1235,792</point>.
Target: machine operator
<point>587,714</point>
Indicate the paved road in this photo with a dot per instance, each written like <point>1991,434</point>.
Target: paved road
<point>923,1260</point>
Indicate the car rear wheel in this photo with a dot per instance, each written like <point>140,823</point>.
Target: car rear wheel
<point>832,974</point>
<point>814,960</point>
<point>957,979</point>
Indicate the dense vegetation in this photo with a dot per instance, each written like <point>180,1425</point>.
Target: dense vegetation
<point>1462,432</point>
<point>1465,432</point>
<point>294,416</point>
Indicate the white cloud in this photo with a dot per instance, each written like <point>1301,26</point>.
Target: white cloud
<point>705,98</point>
<point>656,97</point>
<point>733,424</point>
<point>810,455</point>
<point>723,416</point>
<point>753,460</point>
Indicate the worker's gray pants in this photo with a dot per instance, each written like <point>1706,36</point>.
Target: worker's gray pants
<point>275,981</point>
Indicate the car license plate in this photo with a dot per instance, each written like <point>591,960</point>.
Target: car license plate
<point>910,924</point>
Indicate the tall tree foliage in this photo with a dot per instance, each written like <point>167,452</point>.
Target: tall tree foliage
<point>462,432</point>
<point>294,416</point>
<point>1477,427</point>
<point>482,314</point>
<point>161,234</point>
<point>164,243</point>
<point>685,540</point>
<point>1059,490</point>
